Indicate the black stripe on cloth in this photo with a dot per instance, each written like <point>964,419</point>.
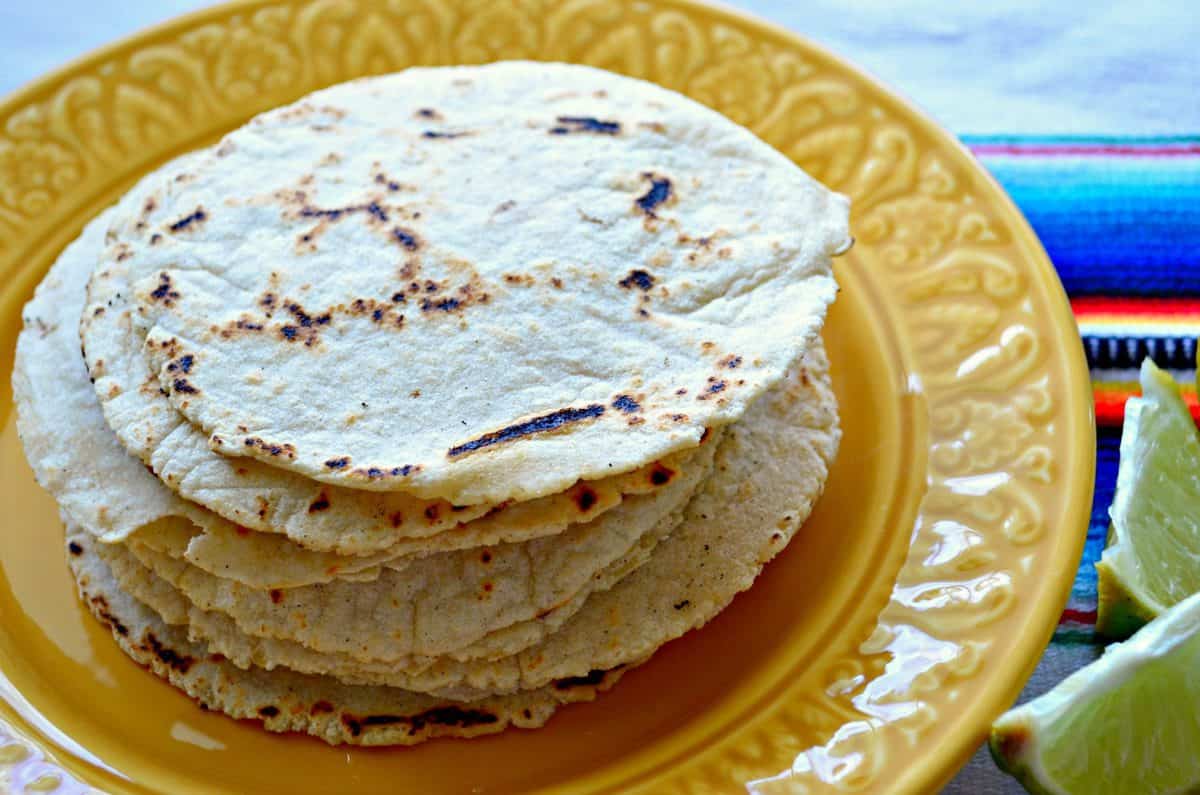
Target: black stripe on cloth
<point>1113,353</point>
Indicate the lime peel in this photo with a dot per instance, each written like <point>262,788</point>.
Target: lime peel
<point>1153,557</point>
<point>1126,723</point>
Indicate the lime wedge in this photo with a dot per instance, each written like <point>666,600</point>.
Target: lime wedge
<point>1126,724</point>
<point>1153,556</point>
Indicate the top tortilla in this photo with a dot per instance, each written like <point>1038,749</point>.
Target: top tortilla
<point>106,491</point>
<point>76,457</point>
<point>478,283</point>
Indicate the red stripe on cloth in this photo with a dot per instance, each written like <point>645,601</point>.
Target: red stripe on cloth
<point>1136,307</point>
<point>1078,616</point>
<point>1110,407</point>
<point>1096,150</point>
<point>1110,402</point>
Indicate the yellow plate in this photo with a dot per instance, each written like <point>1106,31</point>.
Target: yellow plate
<point>870,657</point>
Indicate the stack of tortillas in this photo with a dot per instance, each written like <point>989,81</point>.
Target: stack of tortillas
<point>437,400</point>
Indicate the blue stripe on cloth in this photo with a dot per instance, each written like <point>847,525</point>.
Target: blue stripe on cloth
<point>1108,445</point>
<point>1112,225</point>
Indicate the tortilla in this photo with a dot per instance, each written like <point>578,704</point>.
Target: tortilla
<point>484,669</point>
<point>71,451</point>
<point>104,489</point>
<point>75,456</point>
<point>442,604</point>
<point>284,701</point>
<point>317,516</point>
<point>476,284</point>
<point>770,470</point>
<point>264,561</point>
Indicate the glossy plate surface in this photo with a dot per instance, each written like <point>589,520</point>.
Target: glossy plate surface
<point>871,655</point>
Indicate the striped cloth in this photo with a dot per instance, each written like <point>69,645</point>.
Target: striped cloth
<point>1120,219</point>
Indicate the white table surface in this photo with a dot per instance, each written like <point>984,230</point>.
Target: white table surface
<point>1018,67</point>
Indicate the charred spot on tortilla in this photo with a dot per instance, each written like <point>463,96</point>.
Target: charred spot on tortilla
<point>519,279</point>
<point>391,184</point>
<point>182,364</point>
<point>165,292</point>
<point>456,716</point>
<point>436,134</point>
<point>105,615</point>
<point>274,450</point>
<point>585,498</point>
<point>192,219</point>
<point>379,473</point>
<point>715,386</point>
<point>166,655</point>
<point>659,192</point>
<point>541,424</point>
<point>465,295</point>
<point>585,124</point>
<point>638,278</point>
<point>305,319</point>
<point>337,463</point>
<point>371,208</point>
<point>243,323</point>
<point>596,676</point>
<point>444,305</point>
<point>406,238</point>
<point>661,475</point>
<point>626,404</point>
